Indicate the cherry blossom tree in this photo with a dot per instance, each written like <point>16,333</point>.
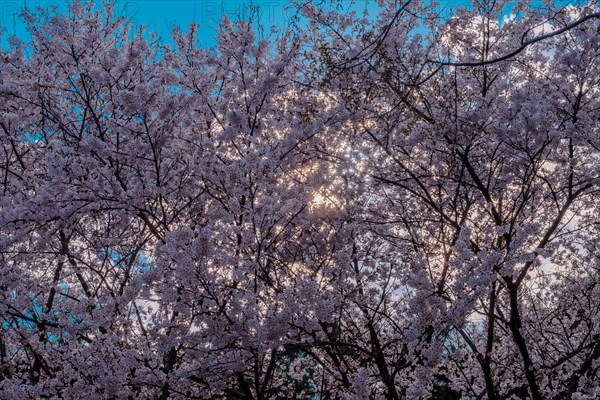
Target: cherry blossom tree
<point>395,206</point>
<point>480,173</point>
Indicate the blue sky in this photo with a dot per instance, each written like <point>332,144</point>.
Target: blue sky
<point>162,15</point>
